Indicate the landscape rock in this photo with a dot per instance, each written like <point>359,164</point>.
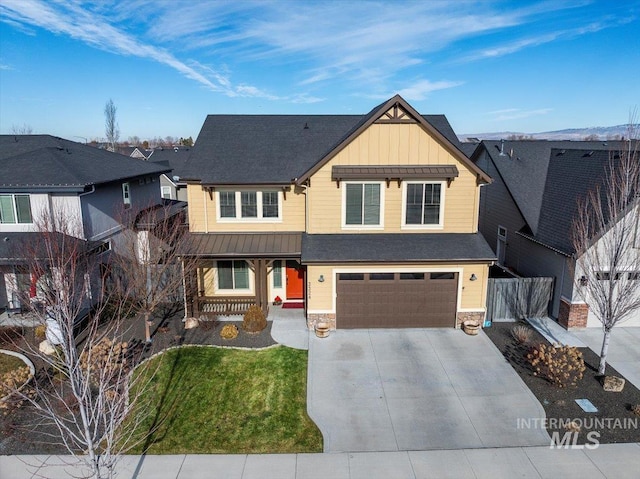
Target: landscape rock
<point>45,347</point>
<point>613,384</point>
<point>191,323</point>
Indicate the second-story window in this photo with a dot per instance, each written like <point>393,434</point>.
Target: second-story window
<point>423,204</point>
<point>253,205</point>
<point>362,204</point>
<point>15,209</point>
<point>126,195</point>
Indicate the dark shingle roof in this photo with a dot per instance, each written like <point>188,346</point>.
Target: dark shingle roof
<point>44,161</point>
<point>571,175</point>
<point>389,247</point>
<point>176,158</point>
<point>523,169</point>
<point>274,149</point>
<point>21,247</point>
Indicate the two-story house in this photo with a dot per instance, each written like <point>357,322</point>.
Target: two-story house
<point>367,220</point>
<point>526,214</point>
<point>42,176</point>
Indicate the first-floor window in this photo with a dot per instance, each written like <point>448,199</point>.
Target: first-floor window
<point>233,274</point>
<point>15,209</point>
<point>423,202</point>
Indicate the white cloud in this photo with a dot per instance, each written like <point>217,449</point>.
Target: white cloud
<point>509,114</point>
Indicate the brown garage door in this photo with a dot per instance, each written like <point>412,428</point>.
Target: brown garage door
<point>396,300</point>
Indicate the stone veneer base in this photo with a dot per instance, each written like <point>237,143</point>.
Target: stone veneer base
<point>315,318</point>
<point>470,315</point>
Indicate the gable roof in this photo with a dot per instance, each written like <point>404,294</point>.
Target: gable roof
<point>176,158</point>
<point>523,167</point>
<point>48,162</point>
<point>281,149</point>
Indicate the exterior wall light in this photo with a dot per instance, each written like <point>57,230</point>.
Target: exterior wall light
<point>321,279</point>
<point>473,277</point>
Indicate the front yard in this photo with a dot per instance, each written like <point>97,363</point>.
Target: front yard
<point>208,400</point>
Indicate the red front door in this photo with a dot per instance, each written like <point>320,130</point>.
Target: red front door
<point>295,280</point>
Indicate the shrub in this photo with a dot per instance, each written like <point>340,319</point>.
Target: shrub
<point>107,358</point>
<point>521,333</point>
<point>254,320</point>
<point>9,383</point>
<point>560,365</point>
<point>41,332</point>
<point>229,331</point>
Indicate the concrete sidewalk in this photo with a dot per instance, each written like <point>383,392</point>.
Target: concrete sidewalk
<point>615,461</point>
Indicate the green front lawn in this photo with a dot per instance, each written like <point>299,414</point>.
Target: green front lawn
<point>207,400</point>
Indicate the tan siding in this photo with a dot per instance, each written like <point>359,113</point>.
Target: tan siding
<point>473,296</point>
<point>394,144</point>
<point>202,214</point>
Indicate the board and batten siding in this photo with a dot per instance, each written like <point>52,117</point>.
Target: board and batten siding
<point>202,213</point>
<point>394,144</point>
<point>321,295</point>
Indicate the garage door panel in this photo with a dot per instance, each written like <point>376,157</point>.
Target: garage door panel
<point>407,300</point>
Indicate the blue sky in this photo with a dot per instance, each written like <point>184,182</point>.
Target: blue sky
<point>526,66</point>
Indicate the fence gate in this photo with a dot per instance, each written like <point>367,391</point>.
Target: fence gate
<point>518,298</point>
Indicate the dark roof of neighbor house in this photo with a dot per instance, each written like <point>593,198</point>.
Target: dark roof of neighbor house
<point>229,245</point>
<point>176,158</point>
<point>523,169</point>
<point>23,246</point>
<point>570,176</point>
<point>390,247</point>
<point>49,162</point>
<point>277,149</point>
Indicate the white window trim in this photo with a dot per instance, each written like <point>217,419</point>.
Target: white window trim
<point>126,198</point>
<point>440,224</point>
<point>345,226</point>
<point>235,290</point>
<point>15,208</point>
<point>166,188</point>
<point>259,218</point>
<point>504,236</point>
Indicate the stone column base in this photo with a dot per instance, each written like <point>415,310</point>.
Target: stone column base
<point>315,318</point>
<point>469,315</point>
<point>573,315</point>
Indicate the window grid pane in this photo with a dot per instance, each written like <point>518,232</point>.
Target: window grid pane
<point>225,275</point>
<point>227,204</point>
<point>414,204</point>
<point>249,204</point>
<point>240,275</point>
<point>354,204</point>
<point>371,204</point>
<point>23,208</point>
<point>6,209</point>
<point>270,204</point>
<point>423,204</point>
<point>277,274</point>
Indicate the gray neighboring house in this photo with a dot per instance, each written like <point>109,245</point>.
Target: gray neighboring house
<point>172,186</point>
<point>44,175</point>
<point>526,213</point>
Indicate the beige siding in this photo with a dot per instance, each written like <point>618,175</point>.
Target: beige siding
<point>394,144</point>
<point>202,214</point>
<point>321,295</point>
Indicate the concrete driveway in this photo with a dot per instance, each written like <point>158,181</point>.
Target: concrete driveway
<point>417,389</point>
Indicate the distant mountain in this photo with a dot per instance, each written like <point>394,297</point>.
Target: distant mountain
<point>601,132</point>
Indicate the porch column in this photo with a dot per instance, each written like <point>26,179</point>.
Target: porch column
<point>260,269</point>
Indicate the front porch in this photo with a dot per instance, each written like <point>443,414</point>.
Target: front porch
<point>228,273</point>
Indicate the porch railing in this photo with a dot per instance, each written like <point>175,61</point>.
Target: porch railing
<point>224,305</point>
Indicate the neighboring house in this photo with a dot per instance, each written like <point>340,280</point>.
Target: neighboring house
<point>45,176</point>
<point>172,186</point>
<point>366,220</point>
<point>527,212</point>
<point>134,152</point>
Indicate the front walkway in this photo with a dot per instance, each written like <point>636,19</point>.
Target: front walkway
<point>417,389</point>
<point>613,461</point>
<point>289,327</point>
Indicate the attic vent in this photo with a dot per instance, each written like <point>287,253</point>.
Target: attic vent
<point>589,153</point>
<point>306,126</point>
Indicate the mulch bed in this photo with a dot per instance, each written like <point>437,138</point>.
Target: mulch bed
<point>22,432</point>
<point>614,422</point>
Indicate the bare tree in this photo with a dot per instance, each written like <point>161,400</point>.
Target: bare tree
<point>22,130</point>
<point>85,388</point>
<point>148,268</point>
<point>112,130</point>
<point>605,239</point>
